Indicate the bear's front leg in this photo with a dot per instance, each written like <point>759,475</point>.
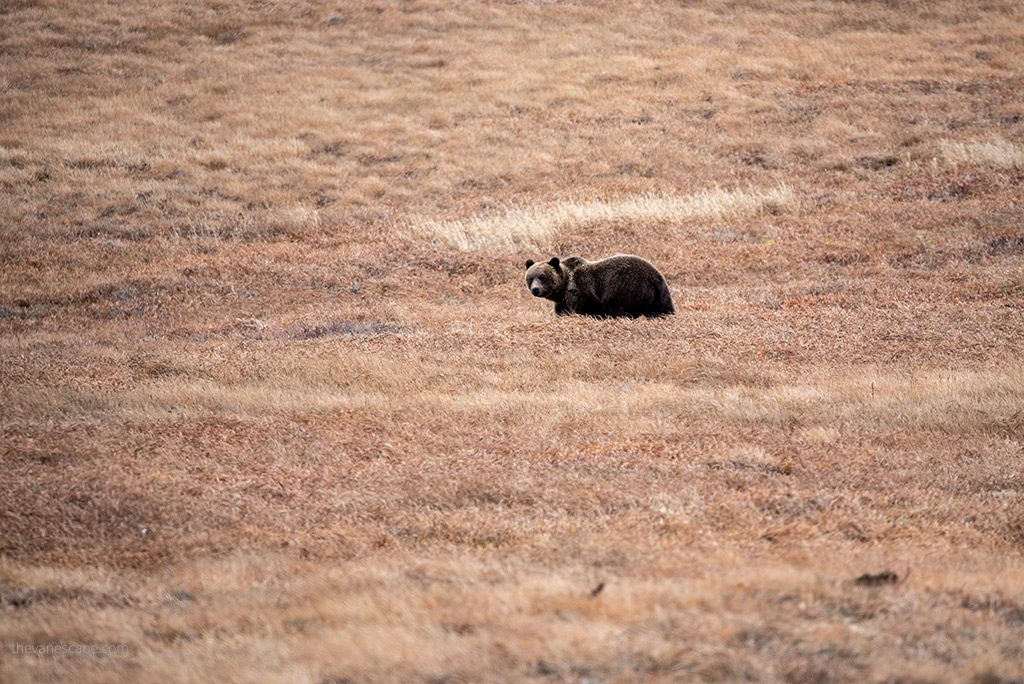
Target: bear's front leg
<point>561,309</point>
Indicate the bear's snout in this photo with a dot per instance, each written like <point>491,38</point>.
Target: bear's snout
<point>535,290</point>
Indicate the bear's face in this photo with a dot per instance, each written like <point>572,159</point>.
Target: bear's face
<point>545,279</point>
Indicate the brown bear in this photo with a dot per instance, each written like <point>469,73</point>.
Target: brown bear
<point>622,285</point>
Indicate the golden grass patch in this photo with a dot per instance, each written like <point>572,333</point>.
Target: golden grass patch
<point>521,228</point>
<point>997,153</point>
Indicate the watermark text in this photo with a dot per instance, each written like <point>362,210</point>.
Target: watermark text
<point>69,649</point>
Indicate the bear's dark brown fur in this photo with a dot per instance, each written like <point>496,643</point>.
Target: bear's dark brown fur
<point>622,285</point>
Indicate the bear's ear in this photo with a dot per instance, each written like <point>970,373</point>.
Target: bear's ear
<point>554,262</point>
<point>529,263</point>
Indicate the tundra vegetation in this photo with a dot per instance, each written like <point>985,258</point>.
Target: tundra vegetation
<point>276,406</point>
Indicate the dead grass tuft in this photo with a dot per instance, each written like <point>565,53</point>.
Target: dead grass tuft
<point>534,227</point>
<point>999,153</point>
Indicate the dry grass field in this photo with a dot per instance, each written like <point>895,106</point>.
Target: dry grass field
<point>276,405</point>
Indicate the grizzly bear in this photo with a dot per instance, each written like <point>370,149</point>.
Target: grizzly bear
<point>622,285</point>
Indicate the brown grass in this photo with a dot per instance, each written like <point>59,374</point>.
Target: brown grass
<point>276,406</point>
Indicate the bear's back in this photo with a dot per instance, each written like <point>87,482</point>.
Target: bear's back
<point>620,285</point>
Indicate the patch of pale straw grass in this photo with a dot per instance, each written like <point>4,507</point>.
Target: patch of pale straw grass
<point>519,227</point>
<point>997,153</point>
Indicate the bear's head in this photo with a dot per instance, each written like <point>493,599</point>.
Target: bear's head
<point>546,279</point>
